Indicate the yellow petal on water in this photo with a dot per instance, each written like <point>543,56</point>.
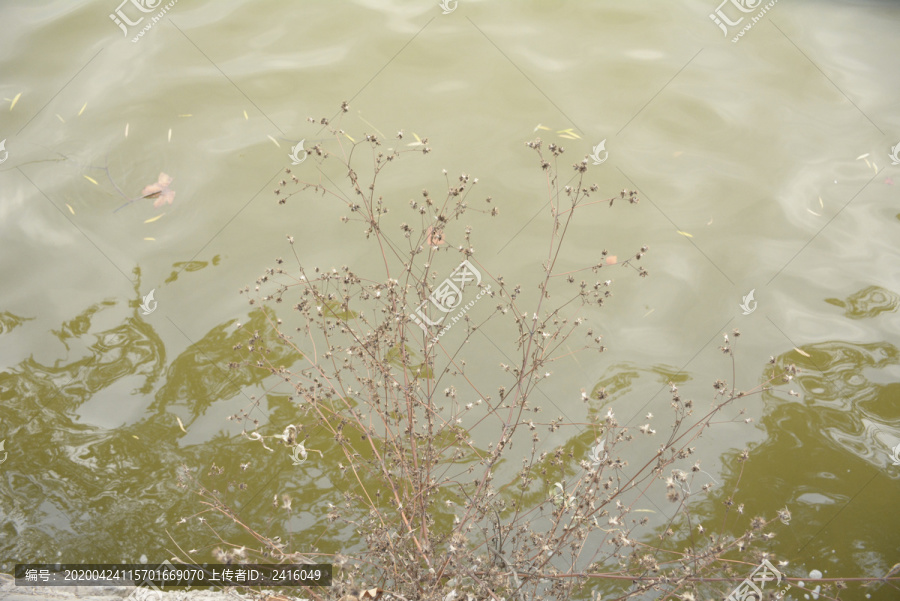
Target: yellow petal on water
<point>349,137</point>
<point>801,352</point>
<point>58,116</point>
<point>275,141</point>
<point>814,213</point>
<point>82,109</point>
<point>170,134</point>
<point>246,116</point>
<point>91,179</point>
<point>14,101</point>
<point>874,166</point>
<point>135,437</point>
<point>685,234</point>
<point>643,511</point>
<point>569,131</point>
<point>180,425</point>
<point>418,139</point>
<point>862,156</point>
<point>150,239</point>
<point>568,137</point>
<point>539,126</point>
<point>71,210</point>
<point>152,219</point>
<point>126,129</point>
<point>868,164</point>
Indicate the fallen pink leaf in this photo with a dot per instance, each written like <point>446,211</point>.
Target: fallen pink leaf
<point>160,191</point>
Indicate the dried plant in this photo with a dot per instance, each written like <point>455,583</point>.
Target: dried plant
<point>395,413</point>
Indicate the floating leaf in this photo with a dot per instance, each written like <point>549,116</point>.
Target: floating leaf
<point>570,133</point>
<point>14,101</point>
<point>685,234</point>
<point>91,179</point>
<point>152,219</point>
<point>160,191</point>
<point>804,353</point>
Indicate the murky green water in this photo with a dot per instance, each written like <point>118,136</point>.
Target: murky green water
<point>745,155</point>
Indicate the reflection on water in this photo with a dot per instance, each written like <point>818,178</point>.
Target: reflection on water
<point>868,302</point>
